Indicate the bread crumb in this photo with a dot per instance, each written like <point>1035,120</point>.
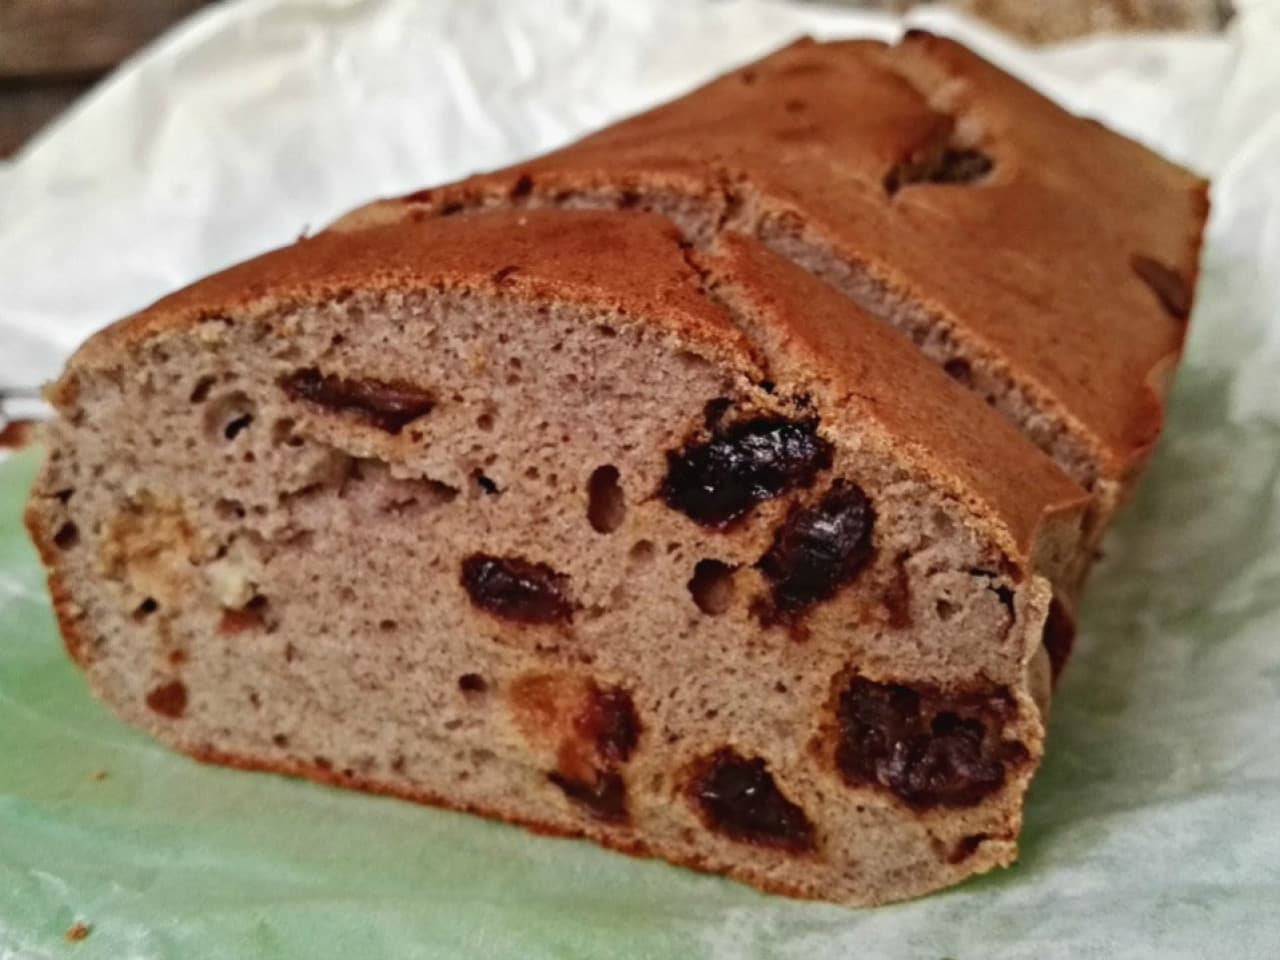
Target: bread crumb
<point>98,776</point>
<point>78,931</point>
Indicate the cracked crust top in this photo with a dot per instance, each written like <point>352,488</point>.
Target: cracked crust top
<point>1063,255</point>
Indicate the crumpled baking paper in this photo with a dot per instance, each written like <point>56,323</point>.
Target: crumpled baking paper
<point>1153,829</point>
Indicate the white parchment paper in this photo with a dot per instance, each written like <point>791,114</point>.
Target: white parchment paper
<point>1154,829</point>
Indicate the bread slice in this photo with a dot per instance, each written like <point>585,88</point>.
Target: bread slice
<point>549,517</point>
<point>1043,261</point>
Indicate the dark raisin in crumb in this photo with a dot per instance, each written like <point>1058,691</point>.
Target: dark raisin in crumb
<point>472,683</point>
<point>609,721</point>
<point>605,798</point>
<point>515,589</point>
<point>386,405</point>
<point>738,797</point>
<point>169,699</point>
<point>1059,636</point>
<point>722,479</point>
<point>929,749</point>
<point>818,550</point>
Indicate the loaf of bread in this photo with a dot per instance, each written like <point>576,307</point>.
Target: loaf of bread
<point>626,524</point>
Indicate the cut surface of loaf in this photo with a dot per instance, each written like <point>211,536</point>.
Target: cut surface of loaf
<point>549,516</point>
<point>1043,261</point>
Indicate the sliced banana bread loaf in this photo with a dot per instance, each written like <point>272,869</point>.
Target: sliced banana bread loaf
<point>548,516</point>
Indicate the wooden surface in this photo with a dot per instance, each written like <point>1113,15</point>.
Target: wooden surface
<point>51,51</point>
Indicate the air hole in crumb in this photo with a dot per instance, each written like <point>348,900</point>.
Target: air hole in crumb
<point>229,509</point>
<point>606,505</point>
<point>200,393</point>
<point>280,740</point>
<point>484,483</point>
<point>146,608</point>
<point>290,653</point>
<point>642,551</point>
<point>68,536</point>
<point>691,361</point>
<point>945,609</point>
<point>606,331</point>
<point>388,626</point>
<point>531,473</point>
<point>229,416</point>
<point>485,421</point>
<point>282,434</point>
<point>472,683</point>
<point>967,847</point>
<point>712,586</point>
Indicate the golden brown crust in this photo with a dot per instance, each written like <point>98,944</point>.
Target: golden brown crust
<point>584,257</point>
<point>1031,269</point>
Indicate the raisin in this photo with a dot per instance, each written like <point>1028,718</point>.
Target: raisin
<point>1059,637</point>
<point>389,406</point>
<point>817,550</point>
<point>739,797</point>
<point>929,750</point>
<point>515,589</point>
<point>472,683</point>
<point>609,721</point>
<point>721,480</point>
<point>605,797</point>
<point>1166,283</point>
<point>169,699</point>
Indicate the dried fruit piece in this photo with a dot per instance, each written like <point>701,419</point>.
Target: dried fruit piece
<point>720,480</point>
<point>738,796</point>
<point>817,550</point>
<point>609,721</point>
<point>169,699</point>
<point>386,405</point>
<point>1059,636</point>
<point>605,797</point>
<point>515,589</point>
<point>929,749</point>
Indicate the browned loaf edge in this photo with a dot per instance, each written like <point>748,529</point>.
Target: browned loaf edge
<point>671,677</point>
<point>1041,259</point>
